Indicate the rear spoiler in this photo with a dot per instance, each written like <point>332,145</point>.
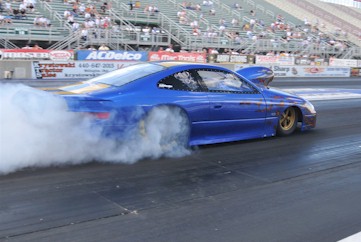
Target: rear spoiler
<point>259,75</point>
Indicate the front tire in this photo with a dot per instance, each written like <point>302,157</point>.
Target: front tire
<point>287,123</point>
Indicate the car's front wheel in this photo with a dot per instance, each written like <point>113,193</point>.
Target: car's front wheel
<point>287,123</point>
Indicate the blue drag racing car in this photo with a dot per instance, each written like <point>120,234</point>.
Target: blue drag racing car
<point>211,103</point>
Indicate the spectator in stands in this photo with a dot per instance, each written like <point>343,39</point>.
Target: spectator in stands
<point>196,31</point>
<point>84,34</point>
<point>91,47</point>
<point>137,4</point>
<point>16,13</point>
<point>235,22</point>
<point>89,23</point>
<point>37,47</point>
<point>212,11</point>
<point>75,26</point>
<point>22,6</point>
<point>252,23</point>
<point>151,9</point>
<point>26,47</point>
<point>31,6</point>
<point>42,21</point>
<point>75,10</point>
<point>87,16</point>
<point>222,30</point>
<point>103,47</point>
<point>23,14</point>
<point>183,50</point>
<point>8,7</point>
<point>207,3</point>
<point>194,24</point>
<point>169,48</point>
<point>70,19</point>
<point>81,9</point>
<point>5,19</point>
<point>66,14</point>
<point>105,7</point>
<point>213,51</point>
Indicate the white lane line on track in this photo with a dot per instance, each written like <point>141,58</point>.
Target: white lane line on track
<point>352,238</point>
<point>314,94</point>
<point>329,96</point>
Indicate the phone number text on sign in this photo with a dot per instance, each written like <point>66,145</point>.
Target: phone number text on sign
<point>79,69</point>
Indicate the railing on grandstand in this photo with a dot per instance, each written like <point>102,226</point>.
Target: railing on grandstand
<point>130,37</point>
<point>7,44</point>
<point>42,34</point>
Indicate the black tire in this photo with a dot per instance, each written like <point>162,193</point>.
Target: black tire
<point>287,122</point>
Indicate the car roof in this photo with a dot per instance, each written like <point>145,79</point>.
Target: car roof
<point>170,64</point>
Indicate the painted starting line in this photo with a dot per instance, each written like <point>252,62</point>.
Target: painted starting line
<point>314,94</point>
<point>352,238</point>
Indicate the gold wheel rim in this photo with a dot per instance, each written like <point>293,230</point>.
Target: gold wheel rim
<point>288,119</point>
<point>142,130</point>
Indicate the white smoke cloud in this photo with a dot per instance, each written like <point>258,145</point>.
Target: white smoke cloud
<point>36,130</point>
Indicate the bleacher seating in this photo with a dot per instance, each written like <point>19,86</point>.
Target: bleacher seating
<point>22,26</point>
<point>131,28</point>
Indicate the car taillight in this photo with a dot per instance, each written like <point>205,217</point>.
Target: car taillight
<point>102,115</point>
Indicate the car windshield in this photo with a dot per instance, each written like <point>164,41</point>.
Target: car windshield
<point>127,74</point>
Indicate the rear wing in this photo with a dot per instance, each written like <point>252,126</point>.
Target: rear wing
<point>259,75</point>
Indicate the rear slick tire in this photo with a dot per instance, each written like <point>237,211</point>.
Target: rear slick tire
<point>167,126</point>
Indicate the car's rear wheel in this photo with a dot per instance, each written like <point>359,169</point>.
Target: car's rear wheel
<point>287,123</point>
<point>167,127</point>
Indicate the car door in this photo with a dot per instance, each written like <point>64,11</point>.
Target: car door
<point>182,89</point>
<point>237,109</point>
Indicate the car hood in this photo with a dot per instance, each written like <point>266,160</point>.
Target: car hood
<point>275,93</point>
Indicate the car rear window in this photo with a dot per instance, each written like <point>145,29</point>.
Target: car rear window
<point>128,74</point>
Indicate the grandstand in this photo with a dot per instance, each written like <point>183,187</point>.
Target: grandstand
<point>245,26</point>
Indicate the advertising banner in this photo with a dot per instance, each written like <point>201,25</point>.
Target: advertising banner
<point>172,56</point>
<point>30,54</point>
<point>306,71</point>
<point>224,58</point>
<point>74,70</point>
<point>111,55</point>
<point>310,61</point>
<point>276,60</point>
<point>343,62</point>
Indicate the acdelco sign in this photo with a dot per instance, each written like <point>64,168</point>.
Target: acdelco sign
<point>112,55</point>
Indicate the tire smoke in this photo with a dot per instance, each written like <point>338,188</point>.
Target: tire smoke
<point>36,130</point>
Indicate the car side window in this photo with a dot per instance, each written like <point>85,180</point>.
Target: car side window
<point>181,81</point>
<point>222,81</point>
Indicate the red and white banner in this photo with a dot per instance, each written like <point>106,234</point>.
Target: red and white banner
<point>172,56</point>
<point>276,60</point>
<point>74,69</point>
<point>33,54</point>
